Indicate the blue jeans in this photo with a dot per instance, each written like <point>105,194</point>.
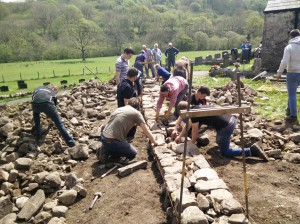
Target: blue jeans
<point>117,149</point>
<point>292,83</point>
<point>50,110</point>
<point>223,140</point>
<point>140,67</point>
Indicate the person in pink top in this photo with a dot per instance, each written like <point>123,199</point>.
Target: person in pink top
<point>174,89</point>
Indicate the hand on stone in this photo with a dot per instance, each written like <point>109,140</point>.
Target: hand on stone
<point>178,139</point>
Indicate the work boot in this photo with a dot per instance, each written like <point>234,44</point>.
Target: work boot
<point>291,120</point>
<point>257,151</point>
<point>71,143</point>
<point>101,155</point>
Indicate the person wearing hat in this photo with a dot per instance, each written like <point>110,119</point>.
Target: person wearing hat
<point>44,100</point>
<point>171,53</point>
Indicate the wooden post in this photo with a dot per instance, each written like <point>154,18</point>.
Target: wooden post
<point>20,76</point>
<point>97,70</point>
<point>3,78</point>
<point>109,68</point>
<point>83,71</point>
<point>69,72</point>
<point>53,73</point>
<point>38,75</point>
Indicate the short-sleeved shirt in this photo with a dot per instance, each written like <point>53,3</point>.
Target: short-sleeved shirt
<point>121,121</point>
<point>194,101</point>
<point>125,91</point>
<point>163,73</point>
<point>122,66</point>
<point>148,54</point>
<point>218,122</point>
<point>140,58</point>
<point>43,94</point>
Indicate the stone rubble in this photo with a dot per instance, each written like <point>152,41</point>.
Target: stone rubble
<point>30,174</point>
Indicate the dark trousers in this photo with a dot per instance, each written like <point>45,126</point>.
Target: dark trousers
<point>50,110</point>
<point>171,62</point>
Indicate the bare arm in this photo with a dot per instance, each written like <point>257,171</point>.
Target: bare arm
<point>117,77</point>
<point>148,133</point>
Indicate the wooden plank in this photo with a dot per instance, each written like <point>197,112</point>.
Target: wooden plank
<point>207,111</point>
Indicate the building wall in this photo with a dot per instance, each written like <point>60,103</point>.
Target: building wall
<point>275,38</point>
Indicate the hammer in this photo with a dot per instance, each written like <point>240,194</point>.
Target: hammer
<point>96,196</point>
<point>110,170</point>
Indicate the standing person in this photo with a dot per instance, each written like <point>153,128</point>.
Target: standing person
<point>114,135</point>
<point>162,72</point>
<point>139,62</point>
<point>198,98</point>
<point>249,47</point>
<point>291,61</point>
<point>174,89</point>
<point>244,52</point>
<point>157,54</point>
<point>44,100</point>
<point>224,125</point>
<point>122,65</point>
<point>171,53</point>
<point>149,61</point>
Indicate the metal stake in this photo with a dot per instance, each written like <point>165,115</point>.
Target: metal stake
<point>185,142</point>
<point>246,190</point>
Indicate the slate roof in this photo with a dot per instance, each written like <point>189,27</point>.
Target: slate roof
<point>282,5</point>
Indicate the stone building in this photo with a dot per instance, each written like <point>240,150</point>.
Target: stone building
<point>281,16</point>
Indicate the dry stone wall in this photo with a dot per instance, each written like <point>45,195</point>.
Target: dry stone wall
<point>206,197</point>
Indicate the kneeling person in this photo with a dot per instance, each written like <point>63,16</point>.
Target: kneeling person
<point>114,135</point>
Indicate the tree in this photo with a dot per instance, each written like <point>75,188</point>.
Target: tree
<point>71,14</point>
<point>84,34</point>
<point>3,11</point>
<point>254,24</point>
<point>201,40</point>
<point>44,14</point>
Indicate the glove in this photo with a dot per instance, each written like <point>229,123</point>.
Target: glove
<point>167,114</point>
<point>157,117</point>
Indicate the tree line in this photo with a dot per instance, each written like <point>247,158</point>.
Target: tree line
<point>63,29</point>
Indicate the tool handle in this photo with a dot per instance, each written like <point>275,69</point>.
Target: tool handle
<point>93,202</point>
<point>109,171</point>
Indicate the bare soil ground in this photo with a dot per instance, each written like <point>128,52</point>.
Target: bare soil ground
<point>274,189</point>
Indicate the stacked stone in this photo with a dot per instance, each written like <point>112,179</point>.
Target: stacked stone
<point>36,183</point>
<point>206,198</point>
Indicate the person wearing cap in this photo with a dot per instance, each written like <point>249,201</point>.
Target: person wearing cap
<point>122,65</point>
<point>157,54</point>
<point>174,89</point>
<point>291,62</point>
<point>161,72</point>
<point>171,53</point>
<point>224,125</point>
<point>44,101</point>
<point>114,135</point>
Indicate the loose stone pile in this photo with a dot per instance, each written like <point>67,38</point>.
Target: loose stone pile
<point>37,184</point>
<point>206,197</point>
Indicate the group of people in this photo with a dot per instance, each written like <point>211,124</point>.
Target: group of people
<point>246,51</point>
<point>121,128</point>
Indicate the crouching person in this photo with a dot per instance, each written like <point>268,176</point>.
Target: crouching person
<point>224,126</point>
<point>114,135</point>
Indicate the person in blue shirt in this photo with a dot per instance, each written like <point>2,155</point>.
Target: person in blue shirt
<point>163,73</point>
<point>139,62</point>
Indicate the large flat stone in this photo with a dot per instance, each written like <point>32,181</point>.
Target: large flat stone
<point>32,206</point>
<point>173,182</point>
<point>206,174</point>
<point>126,170</point>
<point>231,206</point>
<point>207,186</point>
<point>9,219</point>
<point>220,194</point>
<point>201,162</point>
<point>188,199</point>
<point>238,219</point>
<point>6,206</point>
<point>175,168</point>
<point>193,215</point>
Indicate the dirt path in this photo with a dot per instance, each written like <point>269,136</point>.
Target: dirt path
<point>132,199</point>
<point>274,187</point>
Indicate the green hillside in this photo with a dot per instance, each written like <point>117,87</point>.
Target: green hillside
<point>68,29</point>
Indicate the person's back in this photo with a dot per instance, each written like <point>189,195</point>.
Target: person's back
<point>218,122</point>
<point>43,94</point>
<point>121,121</point>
